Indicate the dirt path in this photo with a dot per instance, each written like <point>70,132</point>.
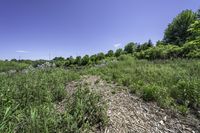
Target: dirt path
<point>129,114</point>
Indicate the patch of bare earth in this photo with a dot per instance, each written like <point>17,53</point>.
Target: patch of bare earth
<point>130,114</point>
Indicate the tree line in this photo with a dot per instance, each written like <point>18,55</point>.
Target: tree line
<point>181,40</point>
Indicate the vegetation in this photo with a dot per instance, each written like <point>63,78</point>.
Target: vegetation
<point>27,103</point>
<point>177,32</point>
<point>172,83</point>
<point>12,65</point>
<point>167,72</point>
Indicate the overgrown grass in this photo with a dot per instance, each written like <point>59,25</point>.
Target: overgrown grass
<point>27,103</point>
<point>11,65</point>
<point>172,83</point>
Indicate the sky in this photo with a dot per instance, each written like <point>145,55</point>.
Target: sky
<point>43,29</point>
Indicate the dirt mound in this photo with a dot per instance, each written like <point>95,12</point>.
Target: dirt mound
<point>129,113</point>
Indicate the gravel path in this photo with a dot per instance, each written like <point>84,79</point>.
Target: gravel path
<point>130,114</point>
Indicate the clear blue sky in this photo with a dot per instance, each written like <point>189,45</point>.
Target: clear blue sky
<point>32,29</point>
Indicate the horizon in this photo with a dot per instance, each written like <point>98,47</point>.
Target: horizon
<point>37,29</point>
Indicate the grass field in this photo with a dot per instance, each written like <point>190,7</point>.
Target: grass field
<point>11,65</point>
<point>171,83</point>
<point>28,101</point>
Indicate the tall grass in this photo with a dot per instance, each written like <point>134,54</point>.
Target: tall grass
<point>172,83</point>
<point>27,103</point>
<point>11,65</point>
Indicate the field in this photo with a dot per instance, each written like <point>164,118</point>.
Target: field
<point>11,65</point>
<point>28,103</point>
<point>42,101</point>
<point>172,83</point>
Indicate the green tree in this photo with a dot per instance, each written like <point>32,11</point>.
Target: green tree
<point>158,43</point>
<point>177,31</point>
<point>77,61</point>
<point>100,56</point>
<point>110,53</point>
<point>194,30</point>
<point>14,60</point>
<point>93,59</point>
<point>130,48</point>
<point>59,59</point>
<point>192,48</point>
<point>66,64</point>
<point>118,52</point>
<point>85,60</point>
<point>71,60</point>
<point>144,46</point>
<point>198,14</point>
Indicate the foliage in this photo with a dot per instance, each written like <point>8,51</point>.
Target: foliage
<point>100,56</point>
<point>12,65</point>
<point>59,59</point>
<point>144,46</point>
<point>198,14</point>
<point>118,52</point>
<point>110,53</point>
<point>130,48</point>
<point>85,112</point>
<point>194,29</point>
<point>93,59</point>
<point>164,81</point>
<point>160,52</point>
<point>71,60</point>
<point>78,60</point>
<point>177,32</point>
<point>85,60</point>
<point>27,103</point>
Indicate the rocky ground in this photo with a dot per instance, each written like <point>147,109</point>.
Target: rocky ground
<point>130,114</point>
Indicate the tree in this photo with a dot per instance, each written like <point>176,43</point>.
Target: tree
<point>130,48</point>
<point>85,60</point>
<point>192,48</point>
<point>177,33</point>
<point>198,14</point>
<point>118,52</point>
<point>77,60</point>
<point>194,30</point>
<point>14,60</point>
<point>59,59</point>
<point>67,63</point>
<point>71,60</point>
<point>158,43</point>
<point>93,59</point>
<point>110,53</point>
<point>100,56</point>
<point>144,46</point>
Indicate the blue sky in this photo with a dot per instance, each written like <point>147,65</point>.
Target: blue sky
<point>31,29</point>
